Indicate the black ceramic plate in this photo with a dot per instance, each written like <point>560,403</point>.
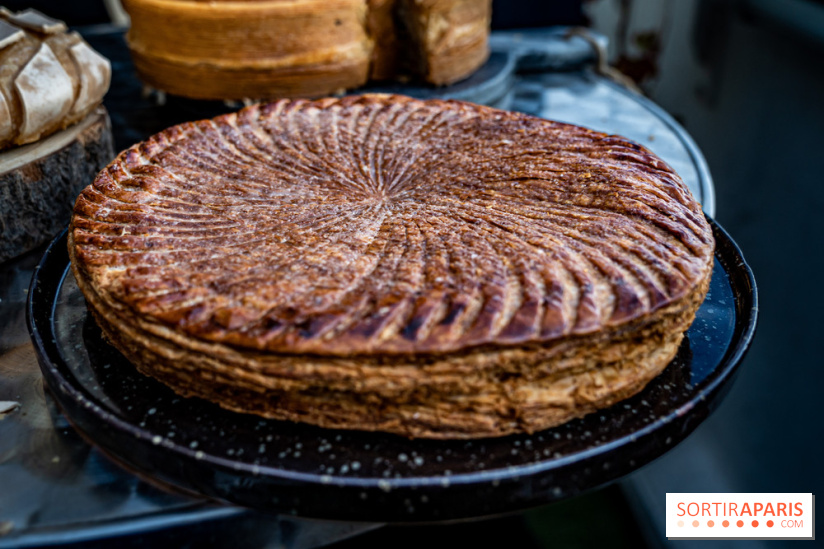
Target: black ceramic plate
<point>299,469</point>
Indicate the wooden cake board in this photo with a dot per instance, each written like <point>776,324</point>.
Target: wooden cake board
<point>39,182</point>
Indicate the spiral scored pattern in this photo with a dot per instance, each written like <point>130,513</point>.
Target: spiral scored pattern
<point>383,224</point>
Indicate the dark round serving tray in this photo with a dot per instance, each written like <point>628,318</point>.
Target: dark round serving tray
<point>198,447</point>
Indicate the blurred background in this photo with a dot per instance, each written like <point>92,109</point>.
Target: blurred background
<point>746,80</point>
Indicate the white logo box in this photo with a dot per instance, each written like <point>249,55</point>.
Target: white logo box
<point>740,515</point>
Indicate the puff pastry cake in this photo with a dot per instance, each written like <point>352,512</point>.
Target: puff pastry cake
<point>428,268</point>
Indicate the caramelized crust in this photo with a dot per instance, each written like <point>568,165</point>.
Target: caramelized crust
<point>431,268</point>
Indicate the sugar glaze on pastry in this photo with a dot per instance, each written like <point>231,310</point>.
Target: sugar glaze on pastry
<point>428,268</point>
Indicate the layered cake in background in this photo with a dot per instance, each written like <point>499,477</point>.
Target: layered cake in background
<point>427,268</point>
<point>258,49</point>
<point>54,135</point>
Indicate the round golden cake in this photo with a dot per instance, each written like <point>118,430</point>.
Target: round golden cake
<point>240,49</point>
<point>429,268</point>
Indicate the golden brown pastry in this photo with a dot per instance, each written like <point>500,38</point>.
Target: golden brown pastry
<point>235,49</point>
<point>388,41</point>
<point>240,49</point>
<point>49,79</point>
<point>428,268</point>
<point>449,37</point>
